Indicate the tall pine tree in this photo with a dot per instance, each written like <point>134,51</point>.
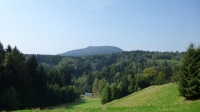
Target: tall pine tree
<point>189,75</point>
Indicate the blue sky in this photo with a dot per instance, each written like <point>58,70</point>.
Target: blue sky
<point>57,26</point>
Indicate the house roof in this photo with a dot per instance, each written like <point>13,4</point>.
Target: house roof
<point>88,94</point>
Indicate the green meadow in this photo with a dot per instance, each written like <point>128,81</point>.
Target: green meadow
<point>153,99</point>
<point>156,98</point>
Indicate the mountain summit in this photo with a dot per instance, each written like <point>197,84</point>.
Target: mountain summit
<point>92,50</point>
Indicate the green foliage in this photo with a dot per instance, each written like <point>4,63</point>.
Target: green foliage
<point>25,84</point>
<point>160,79</point>
<point>2,52</point>
<point>189,75</point>
<point>106,95</point>
<point>9,48</point>
<point>65,94</point>
<point>95,88</point>
<point>87,73</point>
<point>122,89</point>
<point>9,100</point>
<point>31,65</point>
<point>55,94</point>
<point>124,69</point>
<point>101,84</point>
<point>114,67</point>
<point>41,89</point>
<point>92,73</point>
<point>62,77</point>
<point>114,92</point>
<point>15,75</point>
<point>149,72</point>
<point>65,77</point>
<point>48,59</point>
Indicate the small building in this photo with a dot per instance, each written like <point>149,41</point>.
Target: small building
<point>88,95</point>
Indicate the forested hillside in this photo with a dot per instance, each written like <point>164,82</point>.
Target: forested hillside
<point>123,73</point>
<point>24,84</point>
<point>48,59</point>
<point>30,81</point>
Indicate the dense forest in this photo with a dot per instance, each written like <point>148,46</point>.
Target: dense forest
<point>31,81</point>
<point>25,84</point>
<point>119,74</point>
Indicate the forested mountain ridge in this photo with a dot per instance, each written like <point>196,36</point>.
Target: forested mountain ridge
<point>47,59</point>
<point>92,50</point>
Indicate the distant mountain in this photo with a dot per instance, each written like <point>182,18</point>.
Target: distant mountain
<point>92,50</point>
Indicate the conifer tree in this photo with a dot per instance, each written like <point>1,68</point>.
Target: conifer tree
<point>2,53</point>
<point>114,92</point>
<point>31,65</point>
<point>106,95</point>
<point>9,48</point>
<point>42,86</point>
<point>189,75</point>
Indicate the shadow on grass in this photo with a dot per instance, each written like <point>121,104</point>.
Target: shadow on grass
<point>76,104</point>
<point>70,105</point>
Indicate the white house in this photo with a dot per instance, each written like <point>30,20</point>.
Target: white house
<point>88,95</point>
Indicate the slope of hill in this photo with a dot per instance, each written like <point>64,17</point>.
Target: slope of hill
<point>155,98</point>
<point>92,50</point>
<point>152,99</point>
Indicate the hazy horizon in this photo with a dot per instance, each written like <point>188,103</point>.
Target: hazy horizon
<point>53,27</point>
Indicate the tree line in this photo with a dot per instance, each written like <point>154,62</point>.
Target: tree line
<point>24,83</point>
<point>49,59</point>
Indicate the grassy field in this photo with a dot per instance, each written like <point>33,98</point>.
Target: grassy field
<point>152,99</point>
<point>77,106</point>
<point>156,98</point>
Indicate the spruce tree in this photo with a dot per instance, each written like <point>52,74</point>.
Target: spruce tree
<point>9,48</point>
<point>42,86</point>
<point>189,74</point>
<point>14,75</point>
<point>31,65</point>
<point>2,53</point>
